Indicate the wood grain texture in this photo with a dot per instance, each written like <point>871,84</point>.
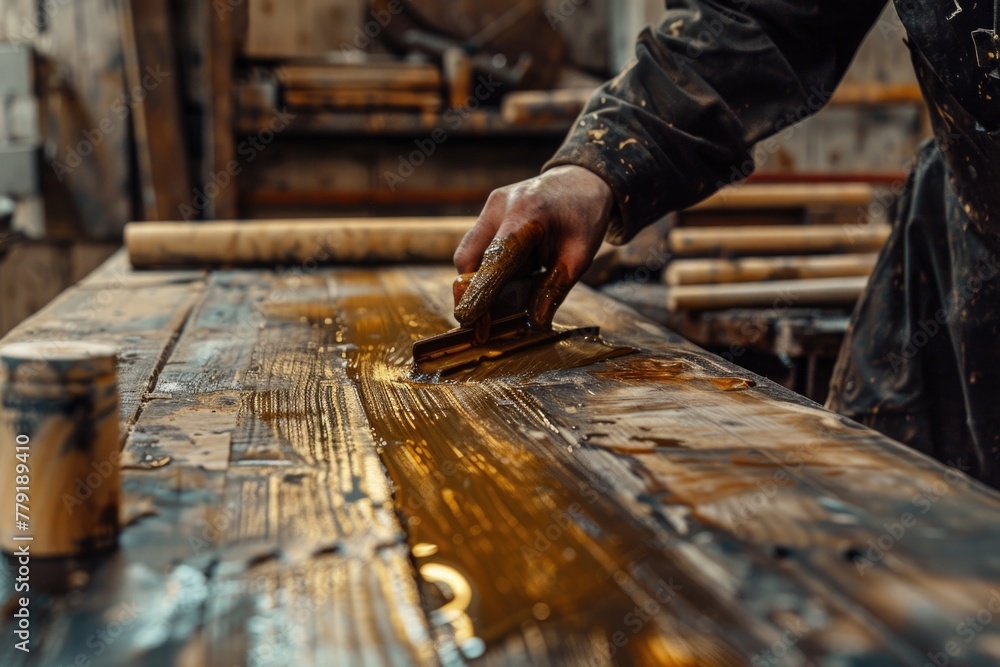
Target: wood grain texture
<point>293,496</point>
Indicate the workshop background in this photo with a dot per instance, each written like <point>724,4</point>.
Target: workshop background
<point>121,110</point>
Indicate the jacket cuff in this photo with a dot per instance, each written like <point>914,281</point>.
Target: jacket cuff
<point>603,150</point>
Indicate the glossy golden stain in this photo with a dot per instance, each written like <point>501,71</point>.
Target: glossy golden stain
<point>472,468</point>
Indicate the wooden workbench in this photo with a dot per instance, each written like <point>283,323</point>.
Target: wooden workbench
<point>293,498</point>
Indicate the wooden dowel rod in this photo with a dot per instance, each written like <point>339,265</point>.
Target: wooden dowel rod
<point>751,269</point>
<point>789,195</point>
<point>688,241</point>
<point>268,242</point>
<point>783,293</point>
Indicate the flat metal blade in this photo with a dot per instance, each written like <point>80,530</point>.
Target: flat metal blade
<point>454,350</point>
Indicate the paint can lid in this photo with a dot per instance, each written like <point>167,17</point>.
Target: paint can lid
<point>56,362</point>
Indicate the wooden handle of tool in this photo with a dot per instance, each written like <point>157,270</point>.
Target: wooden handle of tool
<point>269,242</point>
<point>786,293</point>
<point>688,241</point>
<point>751,269</point>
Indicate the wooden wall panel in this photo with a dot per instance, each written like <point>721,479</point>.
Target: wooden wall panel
<point>282,28</point>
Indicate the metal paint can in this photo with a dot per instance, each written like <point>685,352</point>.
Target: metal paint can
<point>59,448</point>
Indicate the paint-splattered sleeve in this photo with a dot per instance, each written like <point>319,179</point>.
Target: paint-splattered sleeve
<point>714,78</point>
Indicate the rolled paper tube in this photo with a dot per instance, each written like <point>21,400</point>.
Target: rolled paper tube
<point>304,242</point>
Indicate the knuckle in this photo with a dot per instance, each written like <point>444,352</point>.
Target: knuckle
<point>498,197</point>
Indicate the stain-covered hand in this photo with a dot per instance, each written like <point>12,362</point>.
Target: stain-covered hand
<point>556,221</point>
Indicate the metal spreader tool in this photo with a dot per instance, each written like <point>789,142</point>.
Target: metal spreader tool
<point>505,329</point>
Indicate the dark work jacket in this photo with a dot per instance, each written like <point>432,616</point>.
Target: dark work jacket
<point>718,77</point>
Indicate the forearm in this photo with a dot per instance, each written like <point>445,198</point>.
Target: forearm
<point>711,80</point>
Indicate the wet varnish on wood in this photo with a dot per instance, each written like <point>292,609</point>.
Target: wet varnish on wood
<point>294,496</point>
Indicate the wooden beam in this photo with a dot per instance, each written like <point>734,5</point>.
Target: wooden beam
<point>362,99</point>
<point>773,293</point>
<point>397,76</point>
<point>750,269</point>
<point>151,67</point>
<point>215,44</point>
<point>874,93</point>
<point>778,239</point>
<point>789,195</point>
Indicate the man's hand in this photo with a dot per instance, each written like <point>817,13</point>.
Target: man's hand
<point>556,220</point>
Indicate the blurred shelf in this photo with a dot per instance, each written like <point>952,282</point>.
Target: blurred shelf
<point>480,123</point>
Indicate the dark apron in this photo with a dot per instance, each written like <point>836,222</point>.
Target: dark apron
<point>921,362</point>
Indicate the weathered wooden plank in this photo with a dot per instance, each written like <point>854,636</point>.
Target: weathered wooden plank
<point>744,489</point>
<point>249,390</point>
<point>661,508</point>
<point>483,481</point>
